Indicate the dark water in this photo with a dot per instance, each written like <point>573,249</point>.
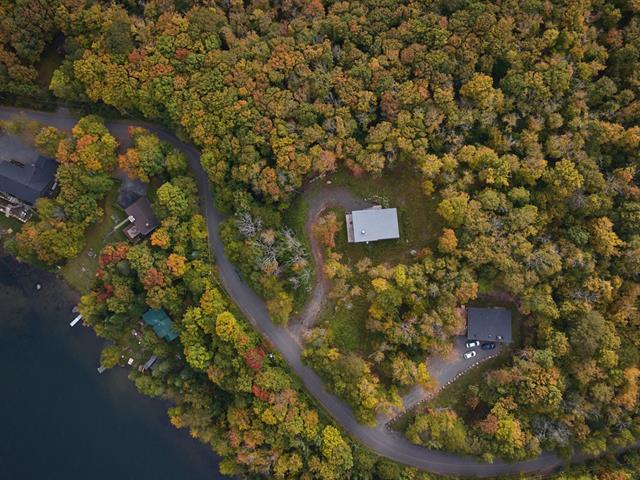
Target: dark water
<point>60,419</point>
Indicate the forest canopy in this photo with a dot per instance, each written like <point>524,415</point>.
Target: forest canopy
<point>519,118</point>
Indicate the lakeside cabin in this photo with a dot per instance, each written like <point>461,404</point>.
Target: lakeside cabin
<point>143,220</point>
<point>158,319</point>
<point>373,224</point>
<point>489,324</point>
<point>25,176</point>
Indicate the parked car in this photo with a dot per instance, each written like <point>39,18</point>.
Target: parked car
<point>474,343</point>
<point>469,355</point>
<point>488,346</point>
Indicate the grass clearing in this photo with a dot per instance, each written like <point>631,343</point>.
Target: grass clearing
<point>400,187</point>
<point>80,271</point>
<point>9,224</point>
<point>346,325</point>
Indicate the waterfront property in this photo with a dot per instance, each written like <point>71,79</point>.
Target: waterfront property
<point>25,176</point>
<point>373,224</point>
<point>489,324</point>
<point>158,319</point>
<point>143,221</point>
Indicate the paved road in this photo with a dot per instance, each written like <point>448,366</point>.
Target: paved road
<point>379,439</point>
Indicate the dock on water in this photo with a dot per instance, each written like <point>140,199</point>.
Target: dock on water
<point>75,320</point>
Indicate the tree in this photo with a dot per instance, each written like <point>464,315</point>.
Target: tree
<point>325,229</point>
<point>439,430</point>
<point>110,356</point>
<point>48,139</point>
<point>280,308</point>
<point>175,200</point>
<point>336,451</point>
<point>147,158</point>
<point>454,208</point>
<point>447,243</point>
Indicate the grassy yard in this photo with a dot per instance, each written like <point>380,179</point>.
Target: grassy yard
<point>79,272</point>
<point>399,188</point>
<point>346,325</point>
<point>7,224</point>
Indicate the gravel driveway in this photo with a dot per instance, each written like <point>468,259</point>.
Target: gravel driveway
<point>444,370</point>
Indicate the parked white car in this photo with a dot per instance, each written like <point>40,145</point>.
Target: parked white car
<point>469,355</point>
<point>472,344</point>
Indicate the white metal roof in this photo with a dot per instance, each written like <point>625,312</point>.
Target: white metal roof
<point>375,224</point>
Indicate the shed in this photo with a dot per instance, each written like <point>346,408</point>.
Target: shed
<point>161,323</point>
<point>372,224</point>
<point>142,218</point>
<point>489,324</point>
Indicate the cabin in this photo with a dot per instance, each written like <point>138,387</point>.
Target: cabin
<point>489,324</point>
<point>158,319</point>
<point>143,221</point>
<point>373,224</point>
<point>25,176</point>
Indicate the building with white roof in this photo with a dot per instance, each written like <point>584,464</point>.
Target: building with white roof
<point>372,224</point>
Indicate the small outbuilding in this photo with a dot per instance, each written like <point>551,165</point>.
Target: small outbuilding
<point>143,220</point>
<point>489,324</point>
<point>372,224</point>
<point>158,319</point>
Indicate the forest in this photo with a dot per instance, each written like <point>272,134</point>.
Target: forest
<point>516,121</point>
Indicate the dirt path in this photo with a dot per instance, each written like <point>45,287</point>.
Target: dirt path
<point>319,198</point>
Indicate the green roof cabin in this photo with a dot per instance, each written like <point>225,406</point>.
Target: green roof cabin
<point>161,324</point>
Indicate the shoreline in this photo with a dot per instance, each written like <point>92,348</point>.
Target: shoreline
<point>59,403</point>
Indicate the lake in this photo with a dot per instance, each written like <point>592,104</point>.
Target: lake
<point>59,418</point>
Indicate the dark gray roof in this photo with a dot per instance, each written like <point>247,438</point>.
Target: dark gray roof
<point>489,324</point>
<point>144,219</point>
<point>24,173</point>
<point>130,190</point>
<point>375,224</point>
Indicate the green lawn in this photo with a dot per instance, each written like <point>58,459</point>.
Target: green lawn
<point>8,224</point>
<point>346,325</point>
<point>400,188</point>
<point>80,271</point>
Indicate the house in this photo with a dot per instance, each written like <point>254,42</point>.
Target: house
<point>161,323</point>
<point>489,324</point>
<point>25,176</point>
<point>373,224</point>
<point>142,219</point>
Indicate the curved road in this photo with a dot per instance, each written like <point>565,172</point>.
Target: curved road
<point>379,439</point>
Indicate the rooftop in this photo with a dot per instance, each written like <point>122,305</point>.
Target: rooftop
<point>489,324</point>
<point>144,221</point>
<point>372,224</point>
<point>24,173</point>
<point>161,323</point>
